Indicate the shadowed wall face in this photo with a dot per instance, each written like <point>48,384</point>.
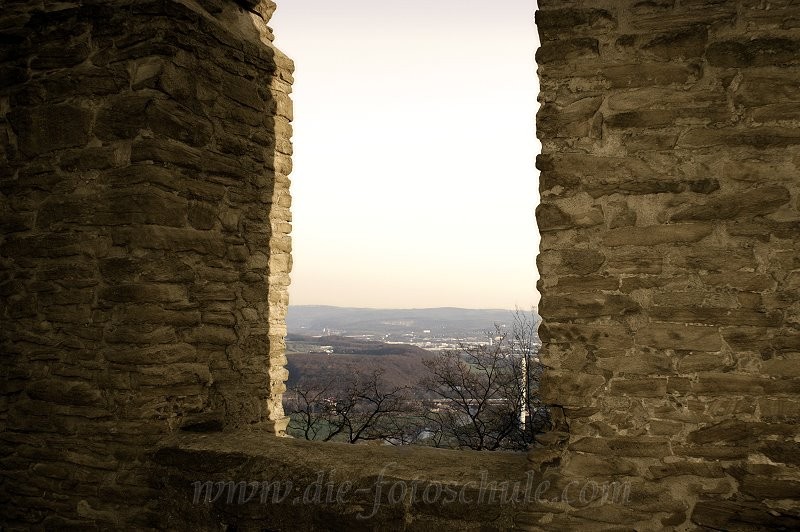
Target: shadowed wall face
<point>145,250</point>
<point>669,256</point>
<point>669,221</point>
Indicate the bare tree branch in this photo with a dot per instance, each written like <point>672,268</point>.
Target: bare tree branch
<point>479,396</point>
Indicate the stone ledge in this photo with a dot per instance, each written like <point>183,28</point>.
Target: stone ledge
<point>347,487</point>
<point>245,448</point>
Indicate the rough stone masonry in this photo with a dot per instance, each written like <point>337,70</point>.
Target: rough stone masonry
<point>670,255</point>
<point>145,148</point>
<point>145,250</point>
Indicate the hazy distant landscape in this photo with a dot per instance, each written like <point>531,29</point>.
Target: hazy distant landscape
<point>447,321</point>
<point>314,359</point>
<point>326,342</point>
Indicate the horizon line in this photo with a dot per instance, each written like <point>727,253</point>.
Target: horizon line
<point>534,307</point>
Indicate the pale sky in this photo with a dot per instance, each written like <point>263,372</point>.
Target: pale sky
<point>414,182</point>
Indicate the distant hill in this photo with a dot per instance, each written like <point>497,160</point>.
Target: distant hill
<point>401,364</point>
<point>457,322</point>
<point>321,347</point>
<point>306,369</point>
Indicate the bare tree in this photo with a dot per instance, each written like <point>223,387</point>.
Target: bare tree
<point>486,395</point>
<point>524,344</point>
<point>479,396</point>
<point>357,408</point>
<point>309,411</point>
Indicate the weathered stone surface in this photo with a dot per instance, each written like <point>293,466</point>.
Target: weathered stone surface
<point>143,293</point>
<point>64,392</point>
<point>551,218</point>
<point>552,23</point>
<point>780,410</point>
<point>672,116</point>
<point>571,50</point>
<point>632,76</point>
<point>760,138</point>
<point>628,386</point>
<point>657,234</point>
<point>587,283</point>
<point>123,118</point>
<point>729,384</point>
<point>638,262</point>
<point>781,452</point>
<point>165,354</point>
<point>173,120</point>
<point>681,44</point>
<point>737,515</point>
<point>573,261</point>
<point>54,245</point>
<point>754,52</point>
<point>573,120</point>
<point>679,336</point>
<point>570,169</point>
<point>597,466</point>
<point>112,318</point>
<point>747,282</point>
<point>765,487</point>
<point>202,216</point>
<point>208,334</point>
<point>781,113</point>
<point>139,334</point>
<point>704,362</point>
<point>45,129</point>
<point>619,214</point>
<point>601,336</point>
<point>763,229</point>
<point>118,207</point>
<point>697,182</point>
<point>718,259</point>
<point>751,202</point>
<point>174,239</point>
<point>717,316</point>
<point>92,159</point>
<point>639,364</point>
<point>131,269</point>
<point>569,389</point>
<point>662,15</point>
<point>588,304</point>
<point>682,468</point>
<point>173,374</point>
<point>758,88</point>
<point>628,447</point>
<point>221,456</point>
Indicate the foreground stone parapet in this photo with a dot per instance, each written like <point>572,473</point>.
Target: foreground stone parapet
<point>251,482</point>
<point>144,152</point>
<point>247,481</point>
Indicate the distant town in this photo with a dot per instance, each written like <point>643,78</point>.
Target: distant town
<point>431,329</point>
<point>424,339</point>
<point>445,377</point>
<point>394,341</point>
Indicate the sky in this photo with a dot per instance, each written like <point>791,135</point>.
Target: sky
<point>414,182</point>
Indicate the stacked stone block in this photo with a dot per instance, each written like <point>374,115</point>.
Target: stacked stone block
<point>144,155</point>
<point>669,257</point>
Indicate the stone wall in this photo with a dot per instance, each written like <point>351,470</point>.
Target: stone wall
<point>145,255</point>
<point>268,483</point>
<point>670,254</point>
<point>144,154</point>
